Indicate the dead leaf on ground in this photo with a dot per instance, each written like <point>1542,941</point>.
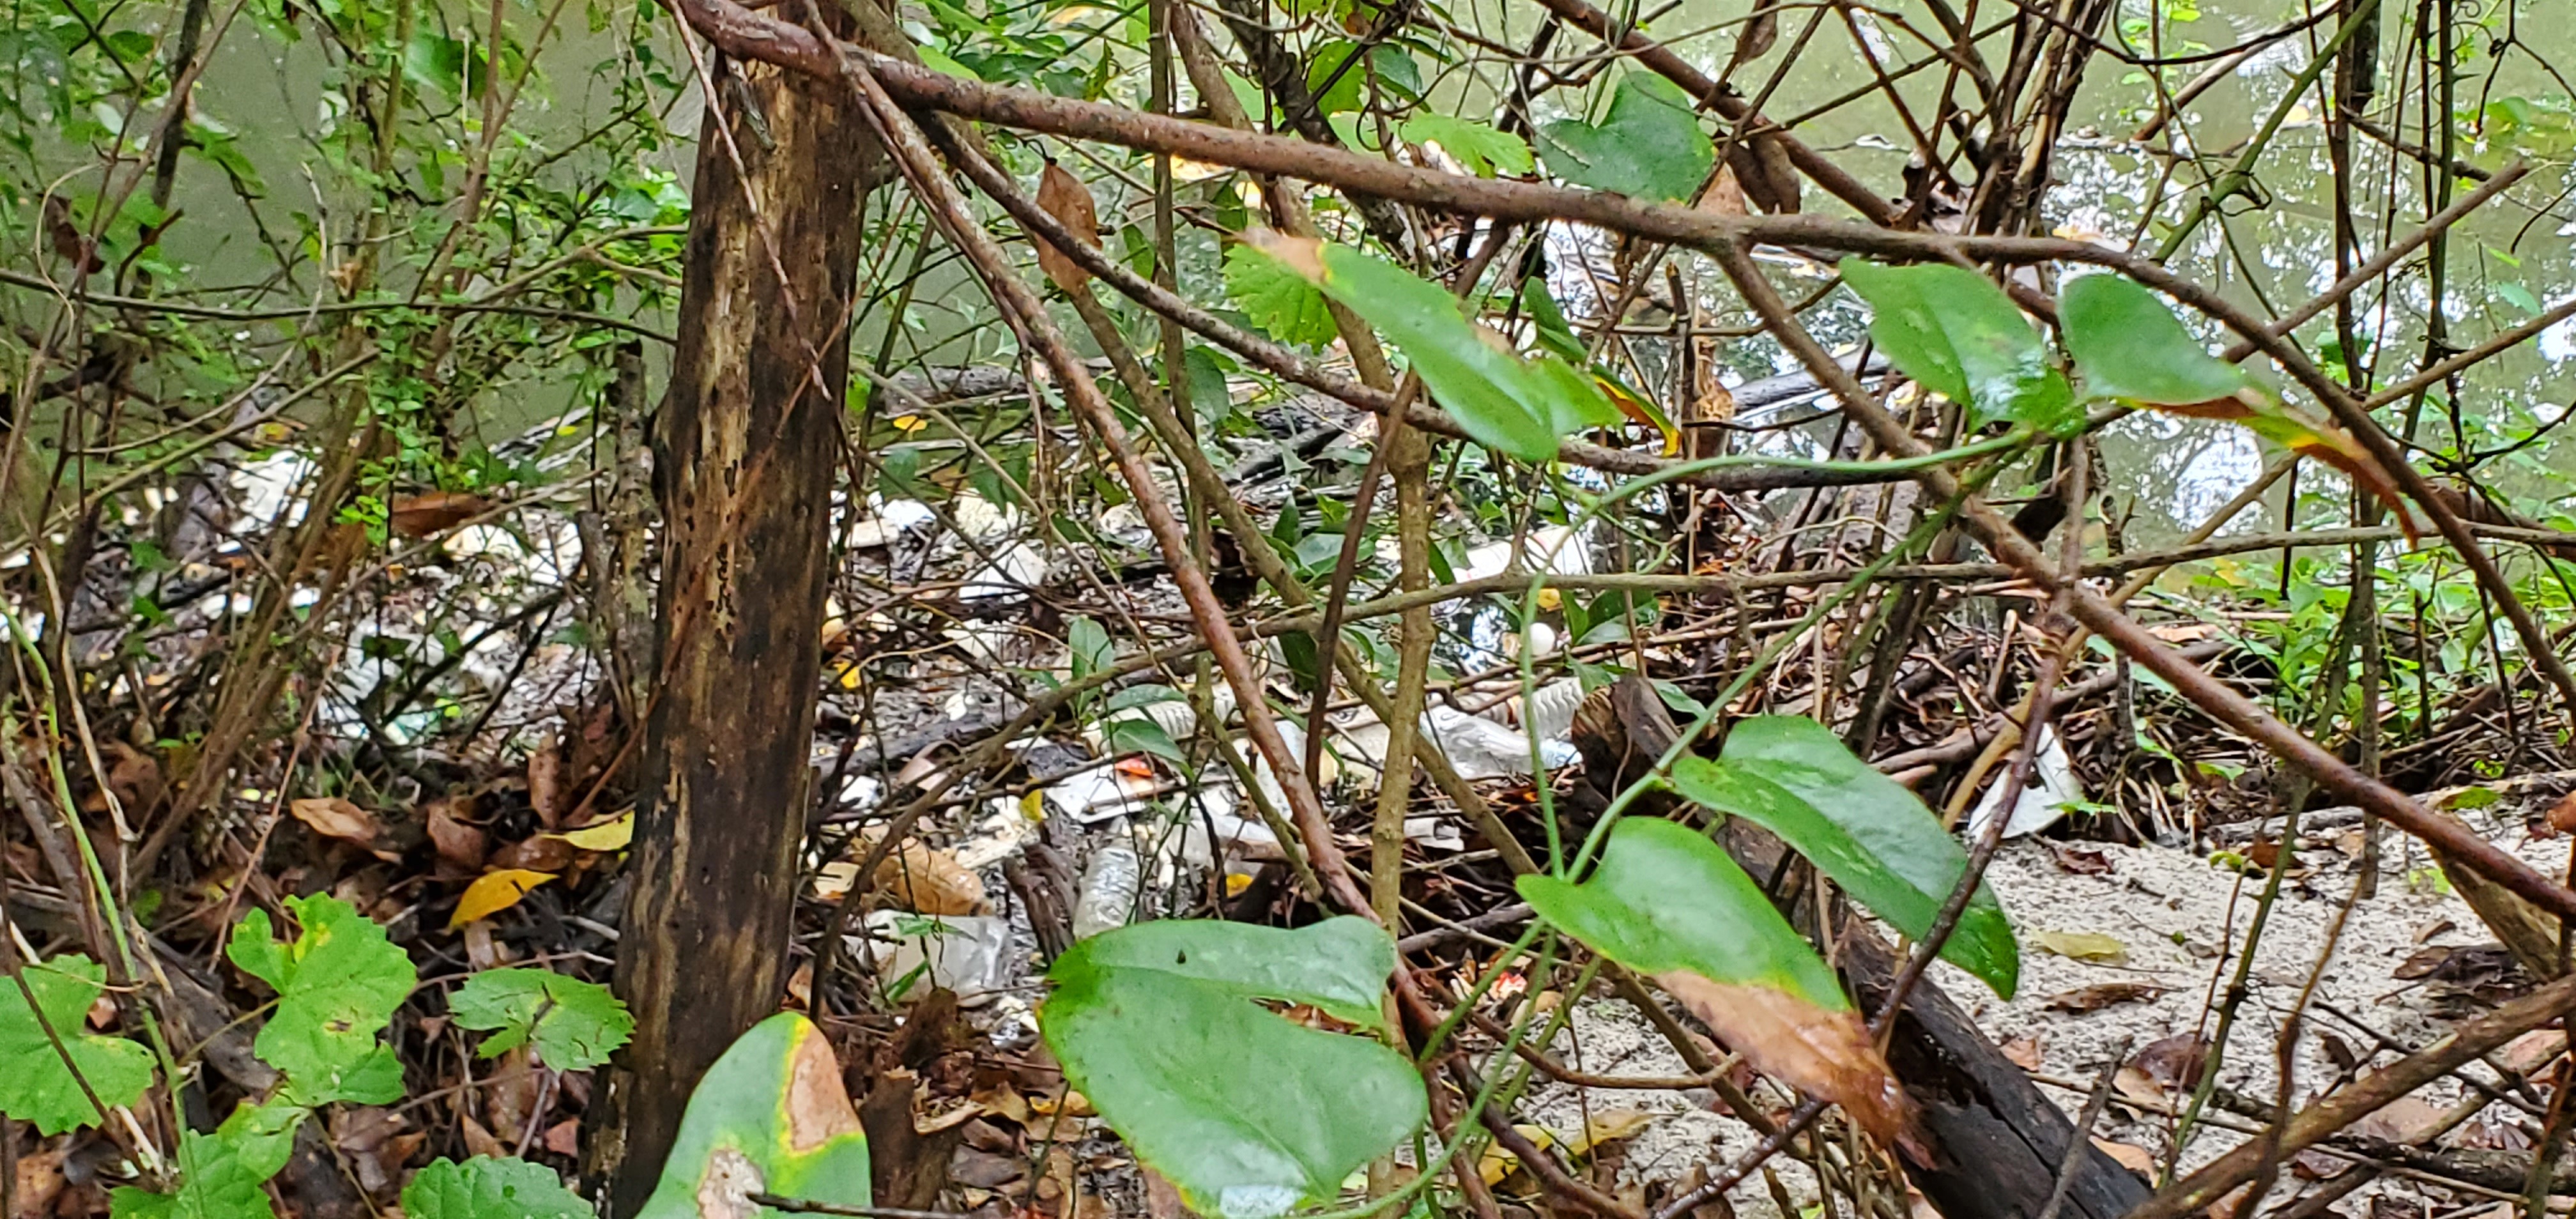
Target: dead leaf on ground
<point>334,817</point>
<point>564,1137</point>
<point>2173,1062</point>
<point>2562,815</point>
<point>494,892</point>
<point>1825,1054</point>
<point>2023,1052</point>
<point>2405,1120</point>
<point>418,516</point>
<point>40,1181</point>
<point>2089,946</point>
<point>376,1144</point>
<point>455,840</point>
<point>546,781</point>
<point>926,880</point>
<point>478,1138</point>
<point>535,853</point>
<point>2128,1155</point>
<point>2077,859</point>
<point>2108,994</point>
<point>511,1091</point>
<point>1610,1126</point>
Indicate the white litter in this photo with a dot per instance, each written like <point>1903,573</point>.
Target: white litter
<point>1478,747</point>
<point>2044,799</point>
<point>911,953</point>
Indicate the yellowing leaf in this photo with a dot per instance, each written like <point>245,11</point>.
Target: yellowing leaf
<point>494,892</point>
<point>610,835</point>
<point>2085,946</point>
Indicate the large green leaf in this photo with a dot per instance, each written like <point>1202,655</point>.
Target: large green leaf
<point>2129,345</point>
<point>1281,302</point>
<point>1519,405</point>
<point>1863,829</point>
<point>337,985</point>
<point>35,1086</point>
<point>1666,901</point>
<point>1478,146</point>
<point>1957,333</point>
<point>770,1115</point>
<point>1246,1112</point>
<point>1649,145</point>
<point>488,1188</point>
<point>575,1024</point>
<point>220,1174</point>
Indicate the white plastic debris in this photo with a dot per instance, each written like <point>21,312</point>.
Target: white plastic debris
<point>995,836</point>
<point>1555,550</point>
<point>1550,708</point>
<point>1101,793</point>
<point>966,953</point>
<point>1108,892</point>
<point>1478,747</point>
<point>2052,787</point>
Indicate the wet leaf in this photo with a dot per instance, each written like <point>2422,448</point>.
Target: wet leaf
<point>770,1115</point>
<point>1246,1112</point>
<point>2084,946</point>
<point>1070,202</point>
<point>1667,902</point>
<point>485,1188</point>
<point>494,892</point>
<point>334,817</point>
<point>1649,145</point>
<point>35,1086</point>
<point>1284,304</point>
<point>610,835</point>
<point>1957,333</point>
<point>575,1025</point>
<point>1519,405</point>
<point>1478,146</point>
<point>338,983</point>
<point>1869,833</point>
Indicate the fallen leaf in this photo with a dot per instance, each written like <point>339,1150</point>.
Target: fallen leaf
<point>564,1137</point>
<point>2562,815</point>
<point>535,853</point>
<point>2173,1062</point>
<point>2108,994</point>
<point>40,1181</point>
<point>1823,1053</point>
<point>494,892</point>
<point>2078,860</point>
<point>545,781</point>
<point>1066,199</point>
<point>478,1138</point>
<point>925,880</point>
<point>2090,946</point>
<point>610,835</point>
<point>2404,1120</point>
<point>2127,1155</point>
<point>334,817</point>
<point>2023,1052</point>
<point>418,516</point>
<point>456,842</point>
<point>1610,1126</point>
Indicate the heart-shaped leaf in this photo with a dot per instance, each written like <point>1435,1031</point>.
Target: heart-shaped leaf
<point>1872,836</point>
<point>1157,1024</point>
<point>337,984</point>
<point>1519,405</point>
<point>35,1086</point>
<point>1483,150</point>
<point>1667,902</point>
<point>575,1024</point>
<point>769,1116</point>
<point>220,1174</point>
<point>1957,333</point>
<point>488,1188</point>
<point>1648,146</point>
<point>1285,305</point>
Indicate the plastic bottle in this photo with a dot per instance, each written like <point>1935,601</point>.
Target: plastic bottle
<point>1109,887</point>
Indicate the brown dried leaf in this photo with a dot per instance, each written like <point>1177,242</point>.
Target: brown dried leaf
<point>70,244</point>
<point>2562,815</point>
<point>2078,860</point>
<point>478,1139</point>
<point>818,1106</point>
<point>2023,1052</point>
<point>456,842</point>
<point>535,853</point>
<point>2107,994</point>
<point>2405,1120</point>
<point>1759,33</point>
<point>2173,1061</point>
<point>511,1091</point>
<point>925,880</point>
<point>1825,1054</point>
<point>1071,204</point>
<point>564,1137</point>
<point>546,782</point>
<point>2128,1155</point>
<point>333,817</point>
<point>418,516</point>
<point>40,1181</point>
<point>1724,196</point>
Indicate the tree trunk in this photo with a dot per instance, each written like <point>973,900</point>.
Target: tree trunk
<point>744,452</point>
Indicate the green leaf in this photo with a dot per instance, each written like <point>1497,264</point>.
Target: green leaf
<point>1649,145</point>
<point>1483,150</point>
<point>1282,303</point>
<point>1957,333</point>
<point>1519,405</point>
<point>337,986</point>
<point>1667,902</point>
<point>487,1188</point>
<point>575,1024</point>
<point>2129,345</point>
<point>1247,1113</point>
<point>1554,332</point>
<point>1872,836</point>
<point>220,1174</point>
<point>1335,77</point>
<point>772,1111</point>
<point>35,1086</point>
